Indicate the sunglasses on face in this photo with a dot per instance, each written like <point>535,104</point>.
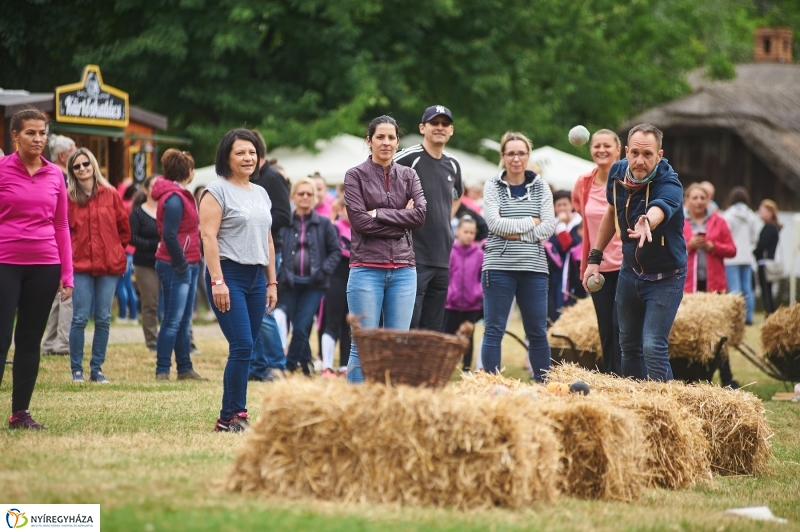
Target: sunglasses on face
<point>77,167</point>
<point>440,123</point>
<point>304,194</point>
<point>513,154</point>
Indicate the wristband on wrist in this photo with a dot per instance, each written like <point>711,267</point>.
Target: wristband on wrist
<point>272,283</point>
<point>595,257</point>
<point>218,282</point>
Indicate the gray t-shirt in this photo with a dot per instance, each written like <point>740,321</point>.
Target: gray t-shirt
<point>246,220</point>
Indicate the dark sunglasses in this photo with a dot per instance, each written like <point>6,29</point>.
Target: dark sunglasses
<point>85,164</point>
<point>303,194</point>
<point>442,123</point>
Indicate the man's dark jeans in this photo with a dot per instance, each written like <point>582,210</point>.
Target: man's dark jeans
<point>646,311</point>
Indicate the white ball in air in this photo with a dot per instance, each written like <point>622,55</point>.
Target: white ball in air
<point>578,136</point>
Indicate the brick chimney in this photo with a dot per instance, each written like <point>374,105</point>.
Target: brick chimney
<point>773,45</point>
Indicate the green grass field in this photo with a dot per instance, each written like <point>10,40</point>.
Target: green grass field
<point>146,452</point>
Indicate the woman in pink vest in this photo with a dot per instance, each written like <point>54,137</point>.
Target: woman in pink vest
<point>177,263</point>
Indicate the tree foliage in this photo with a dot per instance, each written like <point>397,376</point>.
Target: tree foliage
<point>300,70</point>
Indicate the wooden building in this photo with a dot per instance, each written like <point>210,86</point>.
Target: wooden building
<point>745,131</point>
<point>124,138</point>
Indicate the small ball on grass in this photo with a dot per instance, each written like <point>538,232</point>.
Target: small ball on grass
<point>578,136</point>
<point>558,389</point>
<point>579,387</point>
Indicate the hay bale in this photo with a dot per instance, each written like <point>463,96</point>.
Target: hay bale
<point>702,319</point>
<point>780,334</point>
<point>600,445</point>
<point>733,420</point>
<point>377,443</point>
<point>579,323</point>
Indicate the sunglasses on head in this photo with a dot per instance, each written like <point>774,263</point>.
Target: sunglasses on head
<point>85,164</point>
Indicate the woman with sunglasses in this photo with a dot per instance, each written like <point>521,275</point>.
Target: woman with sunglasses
<point>98,224</point>
<point>35,255</point>
<point>518,207</point>
<point>311,253</point>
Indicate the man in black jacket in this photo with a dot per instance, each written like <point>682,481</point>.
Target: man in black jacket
<point>268,357</point>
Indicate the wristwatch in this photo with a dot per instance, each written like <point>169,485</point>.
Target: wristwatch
<point>374,213</point>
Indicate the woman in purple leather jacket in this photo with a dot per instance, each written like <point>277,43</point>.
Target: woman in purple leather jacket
<point>384,202</point>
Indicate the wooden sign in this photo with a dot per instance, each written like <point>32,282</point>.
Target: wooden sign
<point>92,102</point>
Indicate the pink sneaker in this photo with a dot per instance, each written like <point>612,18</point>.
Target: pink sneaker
<point>328,373</point>
<point>23,420</point>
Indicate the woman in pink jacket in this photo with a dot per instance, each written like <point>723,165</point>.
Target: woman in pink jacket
<point>35,255</point>
<point>708,241</point>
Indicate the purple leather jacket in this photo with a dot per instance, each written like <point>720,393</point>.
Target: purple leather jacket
<point>387,237</point>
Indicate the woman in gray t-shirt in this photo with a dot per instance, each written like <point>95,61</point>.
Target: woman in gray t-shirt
<point>235,226</point>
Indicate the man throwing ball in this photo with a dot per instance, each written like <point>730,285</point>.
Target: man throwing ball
<point>646,208</point>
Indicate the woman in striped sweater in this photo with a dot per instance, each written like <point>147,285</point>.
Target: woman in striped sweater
<point>518,207</point>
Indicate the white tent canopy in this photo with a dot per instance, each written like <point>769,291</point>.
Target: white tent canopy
<point>334,157</point>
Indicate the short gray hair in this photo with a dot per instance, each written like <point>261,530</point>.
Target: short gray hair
<point>647,128</point>
<point>60,144</point>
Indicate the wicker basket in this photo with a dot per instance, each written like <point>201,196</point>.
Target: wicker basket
<point>415,358</point>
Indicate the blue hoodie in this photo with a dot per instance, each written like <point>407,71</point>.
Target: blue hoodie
<point>667,251</point>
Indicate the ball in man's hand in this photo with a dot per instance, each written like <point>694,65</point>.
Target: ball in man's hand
<point>578,136</point>
<point>595,285</point>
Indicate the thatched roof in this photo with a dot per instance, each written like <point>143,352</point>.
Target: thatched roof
<point>761,105</point>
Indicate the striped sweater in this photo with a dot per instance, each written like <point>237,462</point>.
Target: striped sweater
<point>507,215</point>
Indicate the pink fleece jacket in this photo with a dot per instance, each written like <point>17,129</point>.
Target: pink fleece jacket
<point>33,216</point>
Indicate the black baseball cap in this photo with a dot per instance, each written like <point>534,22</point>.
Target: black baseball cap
<point>436,110</point>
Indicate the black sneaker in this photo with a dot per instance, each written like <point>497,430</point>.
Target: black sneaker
<point>23,420</point>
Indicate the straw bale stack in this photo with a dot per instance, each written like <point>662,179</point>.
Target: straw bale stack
<point>579,323</point>
<point>600,445</point>
<point>376,443</point>
<point>733,420</point>
<point>702,319</point>
<point>780,333</point>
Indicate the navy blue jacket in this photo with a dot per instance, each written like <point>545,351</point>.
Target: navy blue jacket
<point>323,248</point>
<point>667,251</point>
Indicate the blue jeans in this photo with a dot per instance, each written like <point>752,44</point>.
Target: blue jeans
<point>91,293</point>
<point>247,286</point>
<point>740,281</point>
<point>646,311</point>
<point>301,304</point>
<point>530,289</point>
<point>179,290</point>
<point>268,350</point>
<point>372,292</point>
<point>126,295</point>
